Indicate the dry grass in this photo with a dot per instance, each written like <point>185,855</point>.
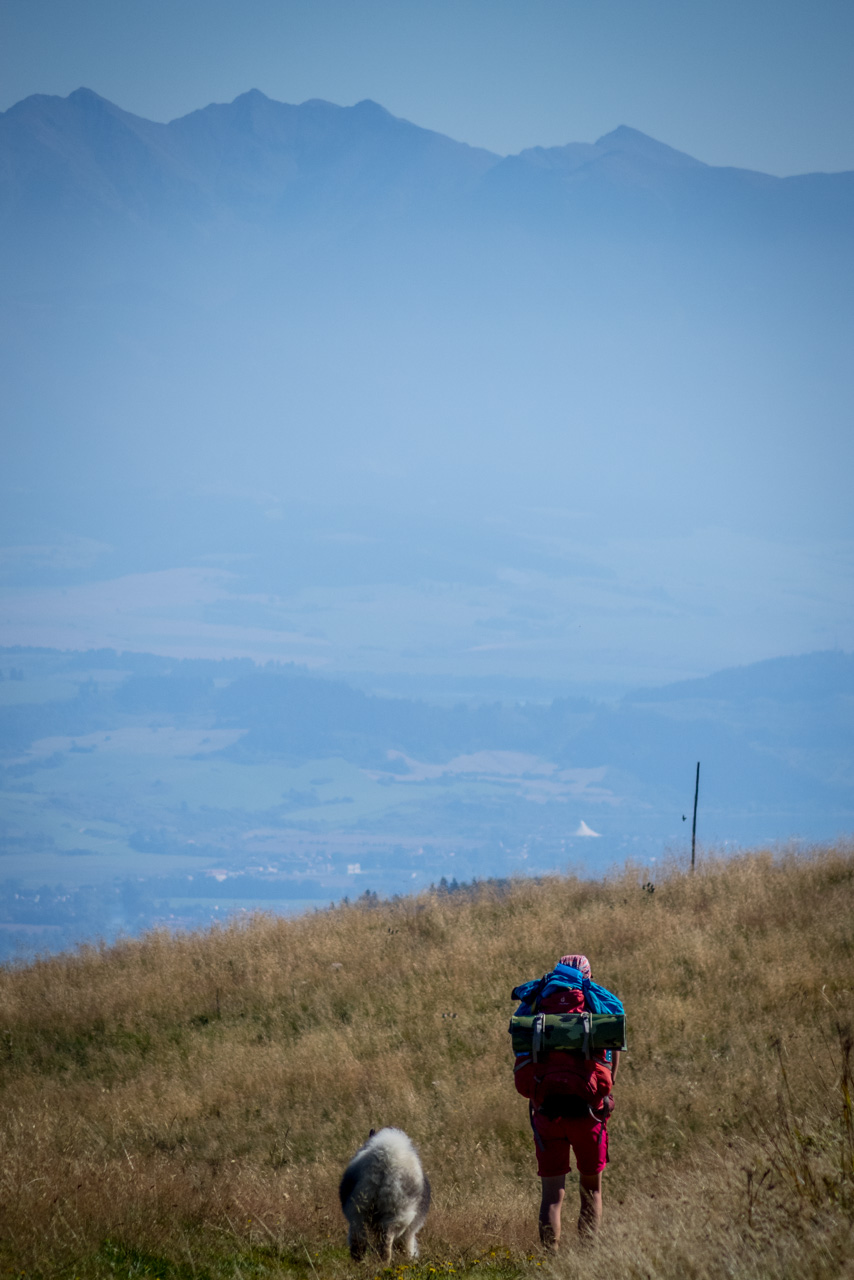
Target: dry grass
<point>183,1107</point>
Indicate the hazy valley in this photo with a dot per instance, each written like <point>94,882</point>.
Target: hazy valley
<point>137,790</point>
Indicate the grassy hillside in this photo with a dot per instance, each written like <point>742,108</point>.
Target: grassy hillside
<point>183,1106</point>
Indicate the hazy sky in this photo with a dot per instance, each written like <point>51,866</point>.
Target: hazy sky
<point>763,84</point>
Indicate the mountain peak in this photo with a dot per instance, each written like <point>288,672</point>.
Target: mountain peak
<point>625,135</point>
<point>632,142</point>
<point>368,107</point>
<point>88,97</point>
<point>252,95</point>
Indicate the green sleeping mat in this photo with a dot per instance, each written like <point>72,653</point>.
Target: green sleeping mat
<point>585,1033</point>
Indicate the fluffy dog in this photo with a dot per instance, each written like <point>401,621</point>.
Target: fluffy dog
<point>385,1195</point>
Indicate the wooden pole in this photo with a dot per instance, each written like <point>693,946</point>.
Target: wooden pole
<point>694,827</point>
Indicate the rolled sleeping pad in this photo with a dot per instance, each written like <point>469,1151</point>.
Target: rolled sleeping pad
<point>581,1032</point>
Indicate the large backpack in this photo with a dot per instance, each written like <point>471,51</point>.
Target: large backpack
<point>562,1032</point>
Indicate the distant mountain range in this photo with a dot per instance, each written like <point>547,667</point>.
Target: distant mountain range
<point>261,322</point>
<point>81,158</point>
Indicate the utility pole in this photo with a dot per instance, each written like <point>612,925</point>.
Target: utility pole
<point>694,827</point>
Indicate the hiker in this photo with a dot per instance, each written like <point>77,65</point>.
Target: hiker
<point>569,1091</point>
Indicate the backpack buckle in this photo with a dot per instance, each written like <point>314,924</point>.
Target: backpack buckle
<point>538,1028</point>
<point>587,1025</point>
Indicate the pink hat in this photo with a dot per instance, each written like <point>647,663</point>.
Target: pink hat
<point>577,962</point>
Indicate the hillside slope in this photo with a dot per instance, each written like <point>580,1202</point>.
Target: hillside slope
<point>183,1106</point>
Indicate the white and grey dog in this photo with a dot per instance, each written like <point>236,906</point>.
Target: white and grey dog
<point>385,1195</point>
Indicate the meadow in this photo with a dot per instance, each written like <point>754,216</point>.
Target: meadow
<point>182,1106</point>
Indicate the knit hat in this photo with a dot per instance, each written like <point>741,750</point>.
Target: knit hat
<point>577,962</point>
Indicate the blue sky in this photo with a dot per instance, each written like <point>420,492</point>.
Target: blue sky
<point>753,83</point>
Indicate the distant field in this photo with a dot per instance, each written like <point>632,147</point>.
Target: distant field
<point>130,780</point>
<point>72,802</point>
<point>87,795</point>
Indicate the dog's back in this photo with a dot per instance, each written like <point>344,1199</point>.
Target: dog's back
<point>385,1195</point>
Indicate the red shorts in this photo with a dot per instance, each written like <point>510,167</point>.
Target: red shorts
<point>554,1139</point>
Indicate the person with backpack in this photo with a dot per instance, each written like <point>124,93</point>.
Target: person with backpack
<point>568,1080</point>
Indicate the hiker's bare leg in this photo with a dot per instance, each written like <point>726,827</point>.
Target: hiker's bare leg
<point>554,1189</point>
<point>590,1186</point>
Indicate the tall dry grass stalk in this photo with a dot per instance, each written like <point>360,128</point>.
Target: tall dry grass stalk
<point>187,1103</point>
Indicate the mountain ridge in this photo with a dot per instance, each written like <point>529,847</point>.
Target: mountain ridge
<point>85,153</point>
<point>621,137</point>
<point>821,673</point>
